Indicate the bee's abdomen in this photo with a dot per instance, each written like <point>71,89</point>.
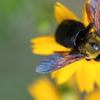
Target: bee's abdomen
<point>70,33</point>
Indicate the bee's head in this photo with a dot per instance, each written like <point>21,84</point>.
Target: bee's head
<point>91,46</point>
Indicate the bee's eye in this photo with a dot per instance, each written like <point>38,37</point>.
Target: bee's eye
<point>95,46</point>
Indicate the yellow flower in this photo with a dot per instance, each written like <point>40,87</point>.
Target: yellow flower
<point>86,73</point>
<point>44,89</point>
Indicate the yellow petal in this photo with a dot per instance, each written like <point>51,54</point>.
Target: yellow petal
<point>86,75</point>
<point>97,73</point>
<point>85,18</point>
<point>93,96</point>
<point>43,89</point>
<point>45,45</point>
<point>63,74</point>
<point>63,13</point>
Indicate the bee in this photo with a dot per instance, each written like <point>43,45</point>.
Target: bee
<point>73,34</point>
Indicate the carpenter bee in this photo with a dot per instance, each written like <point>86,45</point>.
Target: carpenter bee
<point>73,34</point>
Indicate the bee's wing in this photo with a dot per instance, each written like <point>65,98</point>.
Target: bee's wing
<point>93,13</point>
<point>57,61</point>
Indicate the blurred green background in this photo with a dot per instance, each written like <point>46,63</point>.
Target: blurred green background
<point>20,21</point>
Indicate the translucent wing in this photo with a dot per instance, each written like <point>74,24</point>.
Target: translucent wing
<point>93,12</point>
<point>57,61</point>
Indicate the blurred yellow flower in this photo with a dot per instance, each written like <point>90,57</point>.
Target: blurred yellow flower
<point>44,89</point>
<point>86,73</point>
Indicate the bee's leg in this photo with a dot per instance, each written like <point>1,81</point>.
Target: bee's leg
<point>88,59</point>
<point>89,27</point>
<point>98,58</point>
